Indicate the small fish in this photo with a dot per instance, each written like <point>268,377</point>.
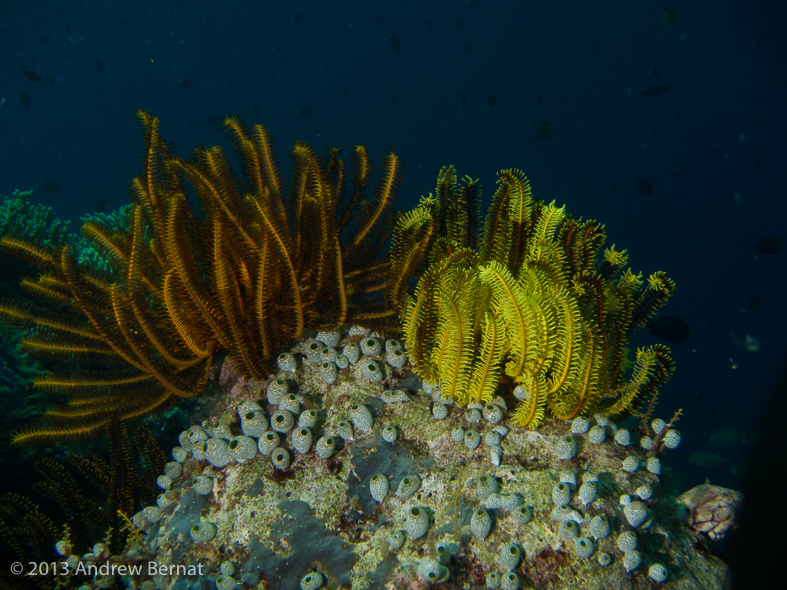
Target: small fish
<point>768,245</point>
<point>462,99</point>
<point>256,109</point>
<point>29,74</point>
<point>392,41</point>
<point>101,206</point>
<point>491,102</point>
<point>184,83</point>
<point>394,99</point>
<point>726,437</point>
<point>460,23</point>
<point>24,98</point>
<point>304,110</point>
<point>544,131</point>
<point>45,39</point>
<point>752,304</point>
<point>297,19</point>
<point>653,90</point>
<point>100,65</point>
<point>645,187</point>
<point>48,185</point>
<point>670,328</point>
<point>668,17</point>
<point>707,460</point>
<point>655,72</point>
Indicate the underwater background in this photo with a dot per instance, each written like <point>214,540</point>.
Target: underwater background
<point>665,123</point>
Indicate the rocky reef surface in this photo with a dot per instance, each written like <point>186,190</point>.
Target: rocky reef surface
<point>372,481</point>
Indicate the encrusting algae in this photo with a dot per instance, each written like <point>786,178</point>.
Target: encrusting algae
<point>478,451</point>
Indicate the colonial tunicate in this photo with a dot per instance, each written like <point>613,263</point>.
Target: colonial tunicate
<point>584,547</point>
<point>290,403</point>
<point>371,370</point>
<point>328,354</point>
<point>312,581</point>
<point>396,358</point>
<point>226,583</point>
<point>203,532</point>
<point>390,396</point>
<point>198,450</point>
<point>164,501</point>
<point>396,539</point>
<point>439,411</point>
<point>431,570</point>
<point>217,452</point>
<point>472,439</point>
<point>330,339</point>
<point>501,430</point>
<point>371,346</point>
<point>485,486</point>
<point>623,437</point>
<point>268,441</point>
<point>409,485</point>
<point>597,434</point>
<point>580,425</point>
<point>342,361</point>
<point>654,465</point>
<point>564,513</point>
<point>472,416</point>
<point>180,454</point>
<point>253,423</point>
<point>352,352</point>
<point>345,430</point>
<point>243,448</point>
<point>325,447</point>
<point>480,524</point>
<point>671,439</point>
<point>493,581</point>
<point>202,485</point>
<point>510,581</point>
<point>627,541</point>
<point>644,492</point>
<point>280,458</point>
<point>587,493</point>
<point>566,448</point>
<point>493,413</point>
<point>510,556</point>
<point>568,530</point>
<point>646,443</point>
<point>282,421</point>
<point>287,362</point>
<point>221,430</point>
<point>657,572</point>
<point>277,389</point>
<point>417,522</point>
<point>390,434</point>
<point>197,434</point>
<point>227,568</point>
<point>568,477</point>
<point>392,344</point>
<point>523,514</point>
<point>329,372</point>
<point>625,499</point>
<point>601,419</point>
<point>604,559</point>
<point>496,455</point>
<point>313,352</point>
<point>378,486</point>
<point>164,481</point>
<point>152,513</point>
<point>505,501</point>
<point>631,464</point>
<point>302,440</point>
<point>658,425</point>
<point>599,526</point>
<point>458,433</point>
<point>636,513</point>
<point>308,419</point>
<point>632,560</point>
<point>361,417</point>
<point>561,494</point>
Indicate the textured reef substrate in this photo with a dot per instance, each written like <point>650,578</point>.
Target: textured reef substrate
<point>493,501</point>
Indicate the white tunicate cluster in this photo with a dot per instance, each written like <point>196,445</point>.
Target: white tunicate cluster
<point>658,425</point>
<point>361,417</point>
<point>623,437</point>
<point>329,372</point>
<point>636,513</point>
<point>631,464</point>
<point>287,362</point>
<point>671,439</point>
<point>276,391</point>
<point>654,465</point>
<point>330,339</point>
<point>597,434</point>
<point>566,448</point>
